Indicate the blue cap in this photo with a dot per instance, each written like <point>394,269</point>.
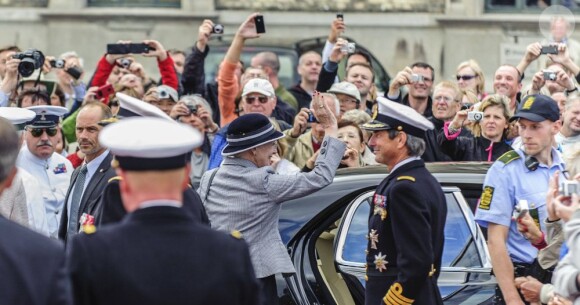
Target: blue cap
<point>249,131</point>
<point>537,108</point>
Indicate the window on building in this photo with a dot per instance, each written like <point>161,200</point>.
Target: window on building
<point>134,3</point>
<point>528,5</point>
<point>24,3</point>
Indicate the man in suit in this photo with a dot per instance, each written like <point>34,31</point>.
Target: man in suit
<point>158,254</point>
<point>88,180</point>
<point>32,266</point>
<point>407,219</point>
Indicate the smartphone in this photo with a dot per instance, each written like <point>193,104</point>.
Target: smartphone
<point>260,25</point>
<point>340,16</point>
<point>551,49</point>
<point>130,48</point>
<point>104,91</point>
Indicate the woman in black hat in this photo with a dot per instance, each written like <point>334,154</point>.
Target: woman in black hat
<point>245,193</point>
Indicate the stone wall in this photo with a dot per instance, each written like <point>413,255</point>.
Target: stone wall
<point>432,6</point>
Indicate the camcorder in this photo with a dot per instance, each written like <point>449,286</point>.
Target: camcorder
<point>217,29</point>
<point>474,116</point>
<point>415,78</point>
<point>549,75</point>
<point>349,48</point>
<point>30,60</point>
<point>569,187</point>
<point>73,71</point>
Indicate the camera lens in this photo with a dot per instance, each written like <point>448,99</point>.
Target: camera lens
<point>163,94</point>
<point>26,67</point>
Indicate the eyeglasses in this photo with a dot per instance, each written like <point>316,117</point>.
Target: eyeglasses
<point>444,98</point>
<point>37,132</point>
<point>261,99</point>
<point>465,77</point>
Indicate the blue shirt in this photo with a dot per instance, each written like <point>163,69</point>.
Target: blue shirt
<point>505,185</point>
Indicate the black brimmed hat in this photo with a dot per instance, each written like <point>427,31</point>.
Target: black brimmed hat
<point>537,108</point>
<point>392,115</point>
<point>249,131</point>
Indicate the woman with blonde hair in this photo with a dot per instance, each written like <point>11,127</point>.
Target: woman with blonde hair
<point>470,77</point>
<point>489,133</point>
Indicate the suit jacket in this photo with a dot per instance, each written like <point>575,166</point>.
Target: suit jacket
<point>13,203</point>
<point>405,247</point>
<point>32,268</point>
<point>160,255</point>
<point>91,197</point>
<point>247,198</point>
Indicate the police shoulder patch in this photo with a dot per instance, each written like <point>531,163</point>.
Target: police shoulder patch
<point>406,178</point>
<point>486,197</point>
<point>508,157</point>
<point>115,179</point>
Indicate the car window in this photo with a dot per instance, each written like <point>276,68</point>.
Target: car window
<point>459,249</point>
<point>287,75</point>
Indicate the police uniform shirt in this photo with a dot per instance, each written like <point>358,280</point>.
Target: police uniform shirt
<point>507,182</point>
<point>54,176</point>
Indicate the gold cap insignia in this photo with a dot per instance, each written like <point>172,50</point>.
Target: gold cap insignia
<point>528,103</point>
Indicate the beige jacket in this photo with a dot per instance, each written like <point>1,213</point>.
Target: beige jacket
<point>298,150</point>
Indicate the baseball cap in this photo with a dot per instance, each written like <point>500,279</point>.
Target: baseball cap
<point>345,88</point>
<point>258,85</point>
<point>537,108</point>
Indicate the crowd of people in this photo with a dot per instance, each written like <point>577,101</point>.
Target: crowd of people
<point>124,149</point>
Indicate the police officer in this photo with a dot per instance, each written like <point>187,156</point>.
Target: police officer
<point>518,175</point>
<point>158,254</point>
<point>38,157</point>
<point>407,218</point>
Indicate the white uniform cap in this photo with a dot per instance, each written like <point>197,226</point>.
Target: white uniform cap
<point>392,115</point>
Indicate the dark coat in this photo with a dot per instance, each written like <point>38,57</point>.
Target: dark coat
<point>113,211</point>
<point>304,98</point>
<point>91,197</point>
<point>433,152</point>
<point>405,101</point>
<point>32,268</point>
<point>406,228</point>
<point>469,148</point>
<point>160,255</point>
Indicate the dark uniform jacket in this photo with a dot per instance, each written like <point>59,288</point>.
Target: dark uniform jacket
<point>32,268</point>
<point>160,255</point>
<point>405,247</point>
<point>91,197</point>
<point>470,148</point>
<point>112,209</point>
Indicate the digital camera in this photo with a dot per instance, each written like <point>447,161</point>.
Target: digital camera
<point>475,116</point>
<point>125,62</point>
<point>549,75</point>
<point>311,118</point>
<point>569,187</point>
<point>217,29</point>
<point>30,60</point>
<point>415,78</point>
<point>192,109</point>
<point>348,48</point>
<point>522,208</point>
<point>57,63</point>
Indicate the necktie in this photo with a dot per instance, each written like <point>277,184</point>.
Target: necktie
<point>76,201</point>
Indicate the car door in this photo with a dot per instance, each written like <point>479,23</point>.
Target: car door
<point>465,274</point>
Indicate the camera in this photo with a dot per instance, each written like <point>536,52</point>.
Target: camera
<point>569,187</point>
<point>58,63</point>
<point>125,62</point>
<point>549,75</point>
<point>217,29</point>
<point>551,49</point>
<point>348,48</point>
<point>311,118</point>
<point>415,78</point>
<point>192,109</point>
<point>475,116</point>
<point>522,208</point>
<point>30,60</point>
<point>163,94</point>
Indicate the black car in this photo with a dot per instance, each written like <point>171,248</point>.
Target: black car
<point>325,237</point>
<point>288,56</point>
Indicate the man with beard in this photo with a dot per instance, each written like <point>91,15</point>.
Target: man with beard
<point>39,158</point>
<point>309,66</point>
<point>88,180</point>
<point>507,81</point>
<point>570,132</point>
<point>518,175</point>
<point>419,80</point>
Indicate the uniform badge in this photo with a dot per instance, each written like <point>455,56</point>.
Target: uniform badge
<point>486,197</point>
<point>380,203</point>
<point>373,237</point>
<point>59,169</point>
<point>87,223</point>
<point>380,262</point>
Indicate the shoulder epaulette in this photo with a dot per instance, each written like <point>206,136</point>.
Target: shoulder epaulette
<point>115,179</point>
<point>406,178</point>
<point>509,157</point>
<point>236,234</point>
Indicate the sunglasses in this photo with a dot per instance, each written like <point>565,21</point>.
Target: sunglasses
<point>465,77</point>
<point>261,99</point>
<point>37,132</point>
